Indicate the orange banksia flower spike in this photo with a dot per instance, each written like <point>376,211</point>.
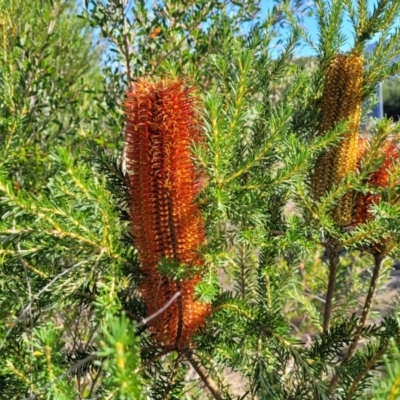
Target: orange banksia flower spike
<point>379,179</point>
<point>341,100</point>
<point>161,124</point>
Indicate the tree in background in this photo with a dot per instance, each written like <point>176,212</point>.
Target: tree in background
<point>151,265</point>
<point>391,99</point>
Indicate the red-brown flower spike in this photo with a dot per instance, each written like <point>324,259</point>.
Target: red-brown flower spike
<point>378,179</point>
<point>161,124</point>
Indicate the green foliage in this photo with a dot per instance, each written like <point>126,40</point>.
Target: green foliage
<point>62,249</point>
<point>122,380</point>
<point>388,388</point>
<point>48,69</point>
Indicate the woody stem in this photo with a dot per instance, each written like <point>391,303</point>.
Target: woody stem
<point>203,374</point>
<point>378,261</point>
<point>333,263</point>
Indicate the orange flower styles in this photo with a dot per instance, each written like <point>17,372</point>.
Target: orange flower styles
<point>161,124</point>
<point>378,179</point>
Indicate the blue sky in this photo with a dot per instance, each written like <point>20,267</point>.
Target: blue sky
<point>311,26</point>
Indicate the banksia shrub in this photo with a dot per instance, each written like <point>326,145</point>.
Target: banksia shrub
<point>378,179</point>
<point>166,223</point>
<point>341,100</point>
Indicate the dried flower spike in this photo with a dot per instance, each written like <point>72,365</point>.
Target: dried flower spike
<point>341,100</point>
<point>378,179</point>
<point>166,223</point>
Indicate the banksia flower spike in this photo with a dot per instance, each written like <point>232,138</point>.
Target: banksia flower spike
<point>166,223</point>
<point>341,100</point>
<point>378,179</point>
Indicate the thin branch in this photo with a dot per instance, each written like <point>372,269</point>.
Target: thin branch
<point>378,259</point>
<point>178,45</point>
<point>152,359</point>
<point>94,381</point>
<point>173,377</point>
<point>95,356</point>
<point>127,58</point>
<point>88,296</point>
<point>130,314</point>
<point>74,369</point>
<point>29,333</point>
<point>203,373</point>
<point>35,297</point>
<point>144,321</point>
<point>365,370</point>
<point>333,267</point>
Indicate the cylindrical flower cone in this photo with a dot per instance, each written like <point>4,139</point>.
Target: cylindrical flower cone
<point>379,179</point>
<point>163,183</point>
<point>341,100</point>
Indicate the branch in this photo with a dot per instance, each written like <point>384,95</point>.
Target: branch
<point>144,321</point>
<point>378,258</point>
<point>203,373</point>
<point>95,356</point>
<point>35,297</point>
<point>29,333</point>
<point>362,374</point>
<point>333,254</point>
<point>178,45</point>
<point>127,56</point>
<point>72,370</point>
<point>152,359</point>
